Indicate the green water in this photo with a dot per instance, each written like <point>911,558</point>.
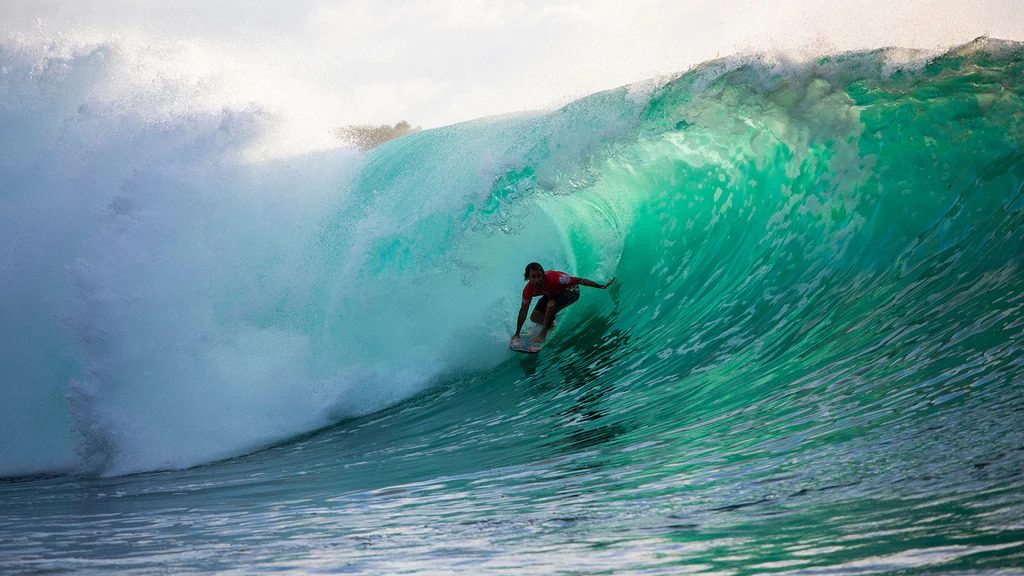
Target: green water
<point>811,361</point>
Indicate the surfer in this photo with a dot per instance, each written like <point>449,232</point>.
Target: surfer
<point>556,289</point>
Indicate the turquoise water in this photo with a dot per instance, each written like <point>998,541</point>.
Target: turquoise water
<point>811,361</point>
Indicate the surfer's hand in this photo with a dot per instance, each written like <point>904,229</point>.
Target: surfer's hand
<point>608,283</point>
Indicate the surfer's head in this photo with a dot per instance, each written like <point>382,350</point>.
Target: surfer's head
<point>534,273</point>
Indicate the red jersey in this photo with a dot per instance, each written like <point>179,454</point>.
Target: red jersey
<point>555,283</point>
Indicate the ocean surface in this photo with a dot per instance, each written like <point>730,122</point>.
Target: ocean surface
<point>811,361</point>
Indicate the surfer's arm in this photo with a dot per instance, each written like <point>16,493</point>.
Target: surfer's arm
<point>592,284</point>
<point>523,310</point>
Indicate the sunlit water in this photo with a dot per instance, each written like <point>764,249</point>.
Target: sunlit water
<point>810,362</point>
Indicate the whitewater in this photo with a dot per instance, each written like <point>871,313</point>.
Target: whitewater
<point>217,360</point>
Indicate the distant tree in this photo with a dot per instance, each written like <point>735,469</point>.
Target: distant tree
<point>367,137</point>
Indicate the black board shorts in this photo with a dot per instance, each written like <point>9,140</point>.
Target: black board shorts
<point>564,299</point>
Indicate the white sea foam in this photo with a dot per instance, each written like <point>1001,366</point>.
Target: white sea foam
<point>166,299</point>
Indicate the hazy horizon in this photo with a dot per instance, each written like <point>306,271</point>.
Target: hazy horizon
<point>319,63</point>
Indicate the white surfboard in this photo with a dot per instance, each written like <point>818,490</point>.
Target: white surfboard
<point>525,343</point>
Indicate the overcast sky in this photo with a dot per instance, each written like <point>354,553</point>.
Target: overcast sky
<point>439,62</point>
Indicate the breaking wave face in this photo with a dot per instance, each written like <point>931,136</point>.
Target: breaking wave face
<point>815,261</point>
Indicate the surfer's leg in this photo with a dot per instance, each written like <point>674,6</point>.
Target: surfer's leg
<point>549,320</point>
<point>538,312</point>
